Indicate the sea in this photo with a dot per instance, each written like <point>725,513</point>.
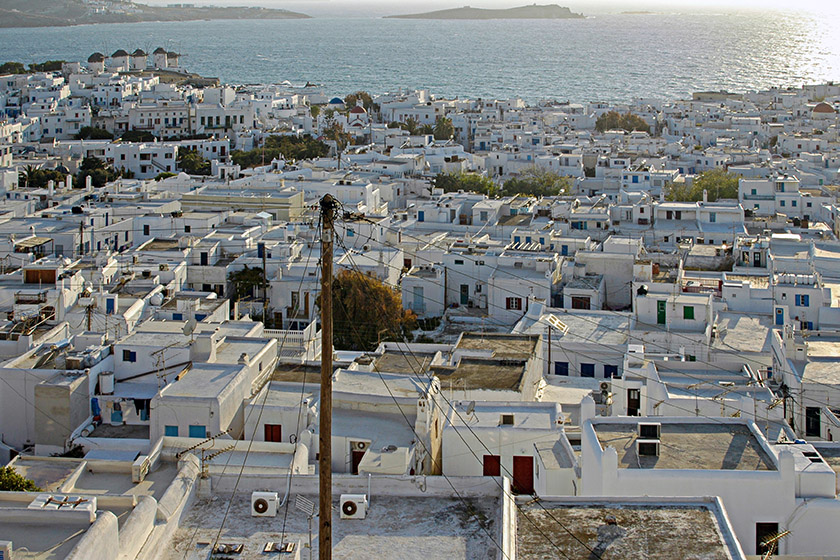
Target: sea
<point>614,57</point>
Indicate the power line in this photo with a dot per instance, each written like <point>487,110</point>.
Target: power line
<point>466,424</point>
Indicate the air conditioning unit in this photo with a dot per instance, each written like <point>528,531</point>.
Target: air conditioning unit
<point>163,267</point>
<point>359,445</point>
<point>353,506</point>
<point>647,447</point>
<point>5,550</point>
<point>140,468</point>
<point>649,430</point>
<point>264,504</point>
<point>605,387</point>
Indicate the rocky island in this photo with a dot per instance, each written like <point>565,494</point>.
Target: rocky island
<point>54,13</point>
<point>534,11</point>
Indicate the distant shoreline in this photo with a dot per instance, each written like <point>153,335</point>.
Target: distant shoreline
<point>11,19</point>
<point>549,11</point>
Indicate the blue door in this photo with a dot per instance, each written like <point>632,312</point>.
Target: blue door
<point>780,317</point>
<point>198,432</point>
<point>421,216</point>
<point>109,306</point>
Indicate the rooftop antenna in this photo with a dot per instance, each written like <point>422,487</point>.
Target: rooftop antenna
<point>771,543</point>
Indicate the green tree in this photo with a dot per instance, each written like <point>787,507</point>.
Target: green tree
<point>468,182</point>
<point>244,281</point>
<point>443,130</point>
<point>290,147</point>
<point>48,66</point>
<point>192,162</point>
<point>33,177</point>
<point>12,68</point>
<point>137,136</point>
<point>11,481</point>
<point>100,173</point>
<point>613,120</point>
<point>336,134</point>
<point>164,175</point>
<point>366,312</point>
<point>314,110</point>
<point>411,125</point>
<point>93,133</point>
<point>367,101</point>
<point>537,181</point>
<point>718,183</point>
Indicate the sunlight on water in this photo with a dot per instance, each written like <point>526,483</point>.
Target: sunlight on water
<point>609,57</point>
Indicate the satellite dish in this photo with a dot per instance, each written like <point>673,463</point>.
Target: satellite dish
<point>470,408</point>
<point>189,327</point>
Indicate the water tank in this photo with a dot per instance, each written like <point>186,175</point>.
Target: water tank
<point>106,383</point>
<point>156,300</point>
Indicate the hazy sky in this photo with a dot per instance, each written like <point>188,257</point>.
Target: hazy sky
<point>368,8</point>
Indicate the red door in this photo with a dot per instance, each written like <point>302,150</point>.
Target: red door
<point>492,465</point>
<point>356,459</point>
<point>273,432</point>
<point>523,474</point>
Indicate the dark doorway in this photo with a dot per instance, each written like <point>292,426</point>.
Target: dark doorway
<point>634,401</point>
<point>356,458</point>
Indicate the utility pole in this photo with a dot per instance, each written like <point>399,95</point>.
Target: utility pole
<point>89,313</point>
<point>265,288</point>
<point>82,237</point>
<point>328,208</point>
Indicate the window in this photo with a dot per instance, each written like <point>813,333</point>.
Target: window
<point>492,465</point>
<point>187,229</point>
<point>561,368</point>
<point>587,370</point>
<point>802,300</point>
<point>506,420</point>
<point>170,431</point>
<point>610,371</point>
<point>129,356</point>
<point>198,431</point>
<point>146,229</point>
<point>781,203</point>
<point>753,191</point>
<point>688,312</point>
<point>459,261</point>
<point>513,303</point>
<point>712,217</point>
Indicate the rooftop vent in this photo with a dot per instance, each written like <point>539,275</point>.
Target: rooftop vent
<point>649,430</point>
<point>647,447</point>
<point>506,420</point>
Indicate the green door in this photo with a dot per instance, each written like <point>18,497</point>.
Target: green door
<point>660,312</point>
<point>465,294</point>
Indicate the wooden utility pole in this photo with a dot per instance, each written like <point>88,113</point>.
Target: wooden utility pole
<point>328,207</point>
<point>265,288</point>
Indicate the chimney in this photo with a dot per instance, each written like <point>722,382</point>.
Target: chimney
<point>705,195</point>
<point>204,348</point>
<point>88,183</point>
<point>51,187</point>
